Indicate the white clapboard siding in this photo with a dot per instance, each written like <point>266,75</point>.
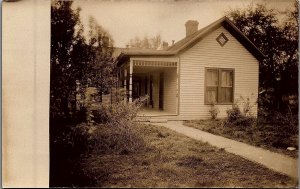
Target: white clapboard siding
<point>209,53</point>
<point>170,90</point>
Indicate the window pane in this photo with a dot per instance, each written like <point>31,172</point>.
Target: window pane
<point>227,78</point>
<point>211,96</point>
<point>212,78</point>
<point>226,94</point>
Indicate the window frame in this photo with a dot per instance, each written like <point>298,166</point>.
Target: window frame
<point>219,71</point>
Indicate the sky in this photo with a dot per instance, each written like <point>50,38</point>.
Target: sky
<point>126,19</point>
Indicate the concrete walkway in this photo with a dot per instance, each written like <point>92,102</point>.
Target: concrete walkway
<point>277,162</point>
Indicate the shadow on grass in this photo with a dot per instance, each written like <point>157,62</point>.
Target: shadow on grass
<point>65,157</point>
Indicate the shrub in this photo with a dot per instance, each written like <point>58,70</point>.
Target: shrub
<point>247,106</point>
<point>281,122</point>
<point>287,122</point>
<point>117,112</point>
<point>214,111</point>
<point>71,140</point>
<point>233,114</point>
<point>245,121</point>
<point>113,132</point>
<point>106,130</point>
<point>96,128</point>
<point>238,118</point>
<point>116,139</point>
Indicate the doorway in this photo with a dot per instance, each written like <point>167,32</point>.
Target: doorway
<point>161,91</point>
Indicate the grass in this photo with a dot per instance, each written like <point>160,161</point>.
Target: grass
<point>262,135</point>
<point>170,159</point>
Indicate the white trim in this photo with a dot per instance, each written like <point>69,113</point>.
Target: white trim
<point>172,59</point>
<point>146,63</point>
<point>125,85</point>
<point>130,80</point>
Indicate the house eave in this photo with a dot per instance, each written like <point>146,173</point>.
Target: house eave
<point>124,57</point>
<point>245,41</point>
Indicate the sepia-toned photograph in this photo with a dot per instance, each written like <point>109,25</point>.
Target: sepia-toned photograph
<point>154,93</point>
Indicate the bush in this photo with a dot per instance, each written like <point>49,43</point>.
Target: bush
<point>234,114</point>
<point>236,117</point>
<point>105,130</point>
<point>116,139</point>
<point>113,132</point>
<point>72,140</point>
<point>245,121</point>
<point>281,122</point>
<point>214,111</point>
<point>68,143</point>
<point>118,112</point>
<point>287,122</point>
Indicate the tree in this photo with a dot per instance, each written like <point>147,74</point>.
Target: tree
<point>65,62</point>
<point>290,53</point>
<point>102,68</point>
<point>279,70</point>
<point>75,57</point>
<point>146,43</point>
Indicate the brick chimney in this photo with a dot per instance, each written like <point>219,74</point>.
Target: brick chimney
<point>165,45</point>
<point>191,27</point>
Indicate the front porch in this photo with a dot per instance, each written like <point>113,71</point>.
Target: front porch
<point>150,112</point>
<point>155,77</point>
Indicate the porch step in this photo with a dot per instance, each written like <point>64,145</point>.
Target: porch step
<point>141,119</point>
<point>157,120</point>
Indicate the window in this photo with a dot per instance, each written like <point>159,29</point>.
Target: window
<point>219,85</point>
<point>222,39</point>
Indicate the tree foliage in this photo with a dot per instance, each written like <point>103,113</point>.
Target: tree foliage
<point>75,57</point>
<point>279,42</point>
<point>146,43</point>
<point>65,60</point>
<point>102,66</point>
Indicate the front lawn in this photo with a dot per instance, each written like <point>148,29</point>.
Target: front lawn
<point>268,136</point>
<point>170,159</point>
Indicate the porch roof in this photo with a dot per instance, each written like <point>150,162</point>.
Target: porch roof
<point>125,55</point>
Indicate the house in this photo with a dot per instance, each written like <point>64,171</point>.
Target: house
<point>214,65</point>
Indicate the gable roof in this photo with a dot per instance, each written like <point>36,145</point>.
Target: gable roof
<point>192,39</point>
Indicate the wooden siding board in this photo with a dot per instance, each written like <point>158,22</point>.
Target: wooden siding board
<point>208,53</point>
<point>170,90</point>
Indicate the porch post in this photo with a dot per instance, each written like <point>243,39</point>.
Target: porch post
<point>130,80</point>
<point>125,84</point>
<point>177,87</point>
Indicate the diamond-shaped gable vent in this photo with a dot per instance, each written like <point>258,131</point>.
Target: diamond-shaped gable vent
<point>222,39</point>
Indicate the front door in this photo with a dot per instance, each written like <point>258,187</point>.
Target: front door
<point>136,87</point>
<point>161,91</point>
<point>151,90</point>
